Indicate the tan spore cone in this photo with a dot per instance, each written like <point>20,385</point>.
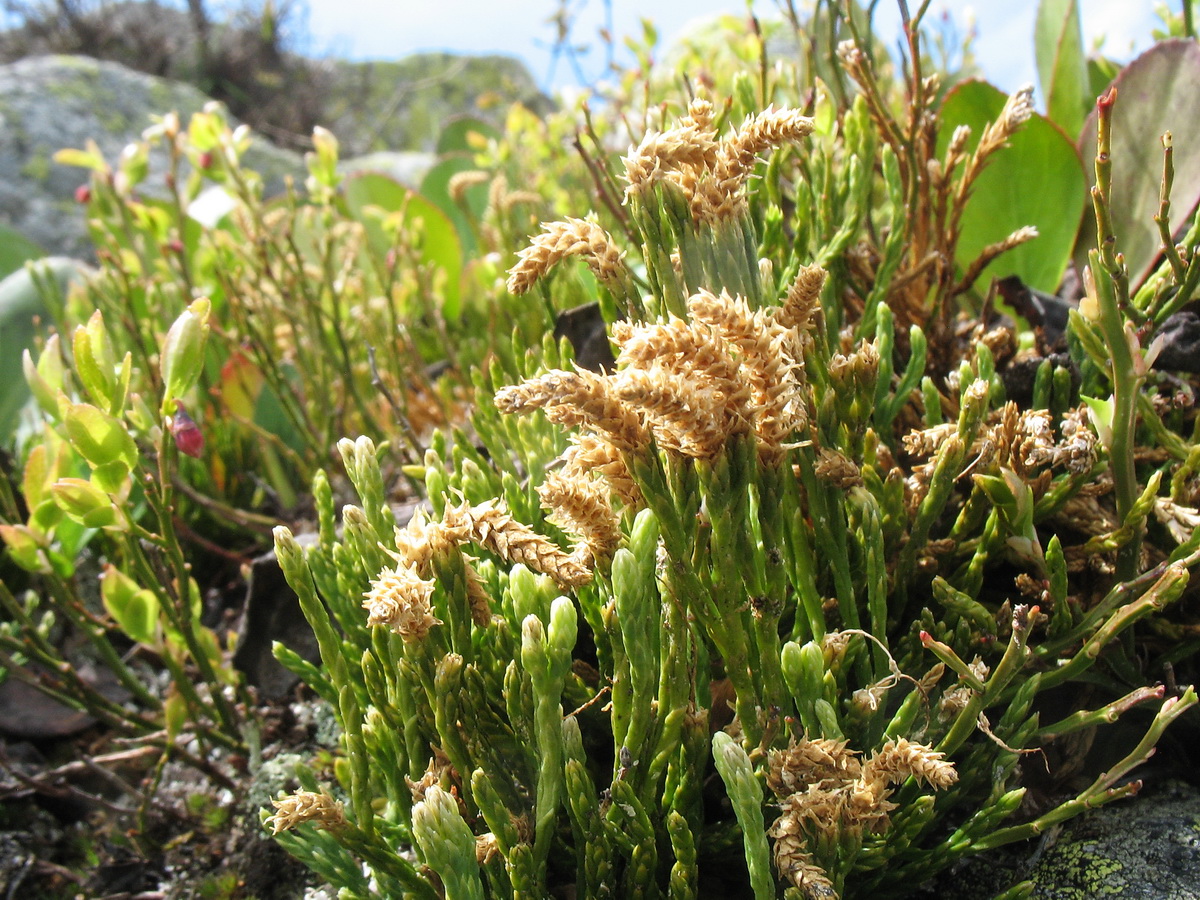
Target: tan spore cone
<point>689,385</point>
<point>827,790</point>
<point>711,172</point>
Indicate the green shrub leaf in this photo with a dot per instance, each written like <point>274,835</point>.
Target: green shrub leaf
<point>85,503</point>
<point>133,608</point>
<point>1037,180</point>
<point>100,438</point>
<point>25,547</point>
<point>15,250</point>
<point>183,353</point>
<point>1061,63</point>
<point>384,205</point>
<point>468,134</point>
<point>22,307</point>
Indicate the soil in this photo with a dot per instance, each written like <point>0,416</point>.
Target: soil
<point>74,828</point>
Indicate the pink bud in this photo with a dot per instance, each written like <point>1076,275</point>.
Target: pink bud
<point>188,436</point>
<point>83,193</point>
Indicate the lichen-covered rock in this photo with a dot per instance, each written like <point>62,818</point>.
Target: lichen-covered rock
<point>1147,848</point>
<point>51,102</point>
<point>404,104</point>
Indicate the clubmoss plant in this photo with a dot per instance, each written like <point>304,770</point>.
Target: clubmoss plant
<point>804,595</point>
<point>772,545</point>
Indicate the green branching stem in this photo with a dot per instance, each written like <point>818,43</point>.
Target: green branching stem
<point>745,793</point>
<point>160,499</point>
<point>1163,219</point>
<point>1102,790</point>
<point>1166,589</point>
<point>448,845</point>
<point>1111,281</point>
<point>546,657</point>
<point>1105,715</point>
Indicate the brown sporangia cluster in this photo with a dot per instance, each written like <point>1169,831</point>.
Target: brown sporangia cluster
<point>826,790</point>
<point>954,700</point>
<point>580,506</point>
<point>684,385</point>
<point>400,599</point>
<point>306,806</point>
<point>400,596</point>
<point>438,771</point>
<point>710,172</point>
<point>1020,441</point>
<point>570,237</point>
<point>688,385</point>
<point>838,469</point>
<point>590,455</point>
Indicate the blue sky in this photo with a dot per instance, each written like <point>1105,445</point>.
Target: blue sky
<point>386,29</point>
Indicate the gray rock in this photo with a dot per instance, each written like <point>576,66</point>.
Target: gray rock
<point>405,104</point>
<point>584,327</point>
<point>406,166</point>
<point>51,102</point>
<point>1147,848</point>
<point>1180,336</point>
<point>273,614</point>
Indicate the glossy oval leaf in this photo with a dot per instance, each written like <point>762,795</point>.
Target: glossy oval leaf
<point>85,503</point>
<point>98,437</point>
<point>1061,63</point>
<point>468,134</point>
<point>1155,93</point>
<point>435,187</point>
<point>132,607</point>
<point>383,205</point>
<point>1036,180</point>
<point>26,547</point>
